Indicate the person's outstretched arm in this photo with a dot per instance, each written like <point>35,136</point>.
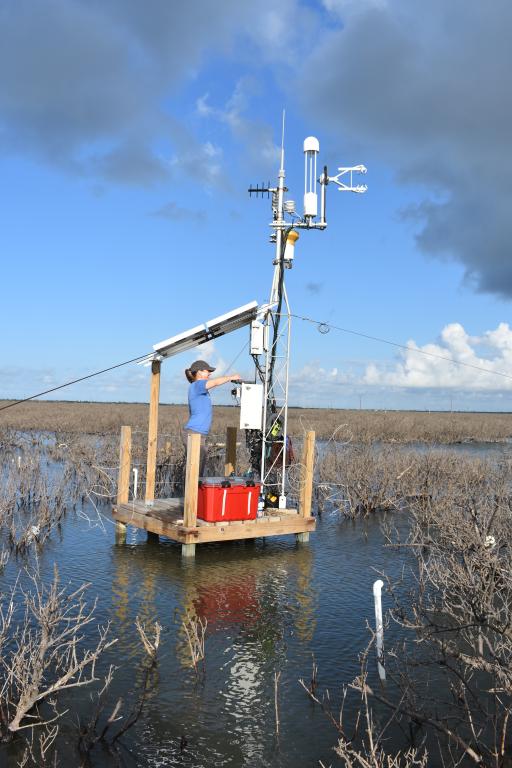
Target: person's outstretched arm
<point>222,380</point>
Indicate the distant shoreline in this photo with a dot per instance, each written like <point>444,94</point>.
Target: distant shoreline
<point>6,401</point>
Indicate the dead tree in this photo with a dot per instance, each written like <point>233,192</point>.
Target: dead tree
<point>42,653</point>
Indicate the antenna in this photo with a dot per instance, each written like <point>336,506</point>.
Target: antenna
<point>282,140</point>
<point>263,190</point>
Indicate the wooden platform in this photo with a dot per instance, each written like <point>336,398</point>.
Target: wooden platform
<point>165,518</point>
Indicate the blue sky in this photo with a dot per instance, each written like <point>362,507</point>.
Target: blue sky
<point>130,132</point>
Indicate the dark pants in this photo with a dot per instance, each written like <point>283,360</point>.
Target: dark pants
<point>203,452</point>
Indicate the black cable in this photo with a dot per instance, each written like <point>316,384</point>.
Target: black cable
<point>75,381</point>
<point>259,369</point>
<point>401,346</point>
<point>277,314</point>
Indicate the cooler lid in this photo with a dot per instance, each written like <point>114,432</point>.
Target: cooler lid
<point>227,482</point>
<point>212,481</point>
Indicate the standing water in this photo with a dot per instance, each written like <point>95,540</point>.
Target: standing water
<point>271,606</point>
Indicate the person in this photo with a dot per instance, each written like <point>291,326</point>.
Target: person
<point>200,404</point>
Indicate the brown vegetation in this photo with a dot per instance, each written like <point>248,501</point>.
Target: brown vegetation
<point>362,479</point>
<point>354,425</point>
<point>453,608</point>
<point>449,676</point>
<point>43,654</point>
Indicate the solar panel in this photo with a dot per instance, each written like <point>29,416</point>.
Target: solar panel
<point>209,330</point>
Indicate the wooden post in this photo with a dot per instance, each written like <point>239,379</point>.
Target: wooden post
<point>123,478</point>
<point>188,550</point>
<point>153,430</point>
<point>306,491</point>
<point>125,457</point>
<point>191,488</point>
<point>191,479</point>
<point>230,463</point>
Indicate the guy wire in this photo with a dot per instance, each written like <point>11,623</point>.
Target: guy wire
<point>227,367</point>
<point>400,346</point>
<point>75,381</point>
<point>91,375</point>
<point>298,317</point>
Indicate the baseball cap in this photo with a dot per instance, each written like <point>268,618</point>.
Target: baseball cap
<point>201,365</point>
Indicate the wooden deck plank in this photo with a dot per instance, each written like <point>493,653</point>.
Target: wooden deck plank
<point>171,516</point>
<point>160,505</point>
<point>164,525</point>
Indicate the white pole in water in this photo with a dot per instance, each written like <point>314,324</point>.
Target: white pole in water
<point>379,629</point>
<point>135,481</point>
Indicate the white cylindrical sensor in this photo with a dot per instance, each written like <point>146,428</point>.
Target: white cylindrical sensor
<point>311,150</point>
<point>310,204</point>
<point>379,627</point>
<point>289,250</point>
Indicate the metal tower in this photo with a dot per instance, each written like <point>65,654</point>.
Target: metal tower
<point>272,358</point>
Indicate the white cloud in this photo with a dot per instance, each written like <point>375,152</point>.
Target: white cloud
<point>346,8</point>
<point>254,136</point>
<point>480,363</point>
<point>315,386</point>
<point>196,160</point>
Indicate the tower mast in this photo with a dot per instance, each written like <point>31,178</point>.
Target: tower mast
<point>276,317</point>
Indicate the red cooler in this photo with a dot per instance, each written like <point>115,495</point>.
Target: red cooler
<point>222,499</point>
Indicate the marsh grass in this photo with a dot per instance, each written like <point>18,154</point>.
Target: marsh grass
<point>448,668</point>
<point>362,479</point>
<point>354,425</point>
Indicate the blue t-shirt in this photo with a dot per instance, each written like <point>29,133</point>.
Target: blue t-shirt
<point>200,407</point>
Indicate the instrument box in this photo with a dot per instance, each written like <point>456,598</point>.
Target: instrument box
<point>222,499</point>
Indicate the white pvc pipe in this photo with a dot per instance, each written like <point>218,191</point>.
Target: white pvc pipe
<point>135,481</point>
<point>379,627</point>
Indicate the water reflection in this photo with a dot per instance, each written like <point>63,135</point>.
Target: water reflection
<point>251,591</point>
<point>254,598</point>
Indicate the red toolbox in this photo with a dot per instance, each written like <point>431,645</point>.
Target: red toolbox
<point>223,499</point>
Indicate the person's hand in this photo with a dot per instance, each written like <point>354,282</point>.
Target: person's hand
<point>235,377</point>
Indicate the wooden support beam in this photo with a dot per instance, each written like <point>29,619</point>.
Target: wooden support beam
<point>123,477</point>
<point>306,490</point>
<point>230,463</point>
<point>153,430</point>
<point>188,550</point>
<point>191,480</point>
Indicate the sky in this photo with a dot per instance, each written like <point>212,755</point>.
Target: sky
<point>130,132</point>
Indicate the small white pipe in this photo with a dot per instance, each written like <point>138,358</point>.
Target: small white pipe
<point>379,628</point>
<point>135,481</point>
